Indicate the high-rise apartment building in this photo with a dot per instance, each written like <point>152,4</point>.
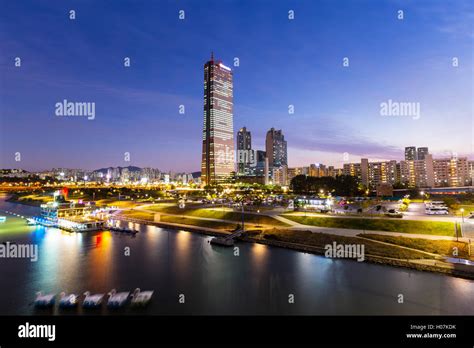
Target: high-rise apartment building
<point>318,170</point>
<point>280,175</point>
<point>410,153</point>
<point>421,152</point>
<point>245,156</point>
<point>292,172</point>
<point>470,165</point>
<point>453,172</point>
<point>418,173</point>
<point>382,173</point>
<point>276,150</point>
<point>352,169</point>
<point>218,129</point>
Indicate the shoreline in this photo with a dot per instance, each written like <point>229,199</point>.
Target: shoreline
<point>437,266</point>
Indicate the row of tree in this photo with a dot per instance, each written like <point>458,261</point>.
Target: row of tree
<point>342,185</point>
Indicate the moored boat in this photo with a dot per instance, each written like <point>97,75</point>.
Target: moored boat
<point>117,299</point>
<point>141,298</point>
<point>92,301</point>
<point>44,300</point>
<point>68,300</point>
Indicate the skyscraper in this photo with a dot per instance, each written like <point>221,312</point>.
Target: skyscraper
<point>218,129</point>
<point>410,153</point>
<point>275,145</point>
<point>421,152</point>
<point>244,151</point>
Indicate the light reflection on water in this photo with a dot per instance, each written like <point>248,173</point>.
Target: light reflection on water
<point>216,280</point>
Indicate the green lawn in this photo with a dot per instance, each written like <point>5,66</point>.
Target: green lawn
<point>441,247</point>
<point>404,226</point>
<point>164,208</point>
<point>32,199</point>
<point>136,214</point>
<point>197,222</point>
<point>216,213</point>
<point>468,208</point>
<point>323,239</point>
<point>117,203</point>
<point>14,227</point>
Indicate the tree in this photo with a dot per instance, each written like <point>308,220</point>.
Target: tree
<point>342,185</point>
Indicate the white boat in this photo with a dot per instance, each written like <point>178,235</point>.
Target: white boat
<point>68,300</point>
<point>117,299</point>
<point>141,298</point>
<point>92,301</point>
<point>30,222</point>
<point>46,300</point>
<point>122,229</point>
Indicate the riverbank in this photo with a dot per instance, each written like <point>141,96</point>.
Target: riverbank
<point>392,251</point>
<point>439,228</point>
<point>379,253</point>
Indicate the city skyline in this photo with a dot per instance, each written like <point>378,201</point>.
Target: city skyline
<point>336,108</point>
<point>174,164</point>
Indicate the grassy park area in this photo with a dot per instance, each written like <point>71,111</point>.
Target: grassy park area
<point>198,222</point>
<point>137,214</point>
<point>441,247</point>
<point>439,228</point>
<point>31,199</point>
<point>322,239</point>
<point>216,213</point>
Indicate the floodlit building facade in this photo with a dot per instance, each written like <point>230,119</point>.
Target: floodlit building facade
<point>218,159</point>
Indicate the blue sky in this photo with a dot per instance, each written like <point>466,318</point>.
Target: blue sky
<point>282,62</point>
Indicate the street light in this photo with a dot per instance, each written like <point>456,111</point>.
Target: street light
<point>462,214</point>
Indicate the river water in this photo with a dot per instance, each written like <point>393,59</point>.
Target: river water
<point>212,280</point>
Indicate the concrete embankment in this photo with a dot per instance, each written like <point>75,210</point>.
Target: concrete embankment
<point>430,265</point>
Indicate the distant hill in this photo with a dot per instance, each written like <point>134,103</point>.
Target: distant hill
<point>130,168</point>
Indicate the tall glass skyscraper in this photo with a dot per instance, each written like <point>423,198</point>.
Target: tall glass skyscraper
<point>275,145</point>
<point>244,151</point>
<point>410,153</point>
<point>218,131</point>
<point>421,153</point>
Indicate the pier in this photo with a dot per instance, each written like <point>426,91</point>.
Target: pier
<point>227,240</point>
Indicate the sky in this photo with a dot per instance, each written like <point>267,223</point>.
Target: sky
<point>337,109</point>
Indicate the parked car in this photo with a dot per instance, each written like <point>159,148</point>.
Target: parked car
<point>470,218</point>
<point>393,213</point>
<point>436,211</point>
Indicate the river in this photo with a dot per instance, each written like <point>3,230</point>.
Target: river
<point>212,280</point>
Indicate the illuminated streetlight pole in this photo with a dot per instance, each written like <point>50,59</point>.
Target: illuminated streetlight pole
<point>243,219</point>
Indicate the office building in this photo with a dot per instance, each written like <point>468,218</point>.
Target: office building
<point>421,152</point>
<point>276,149</point>
<point>410,153</point>
<point>217,162</point>
<point>245,156</point>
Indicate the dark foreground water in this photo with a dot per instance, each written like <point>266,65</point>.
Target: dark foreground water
<point>212,279</point>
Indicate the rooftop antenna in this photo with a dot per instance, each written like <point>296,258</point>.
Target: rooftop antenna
<point>212,56</point>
